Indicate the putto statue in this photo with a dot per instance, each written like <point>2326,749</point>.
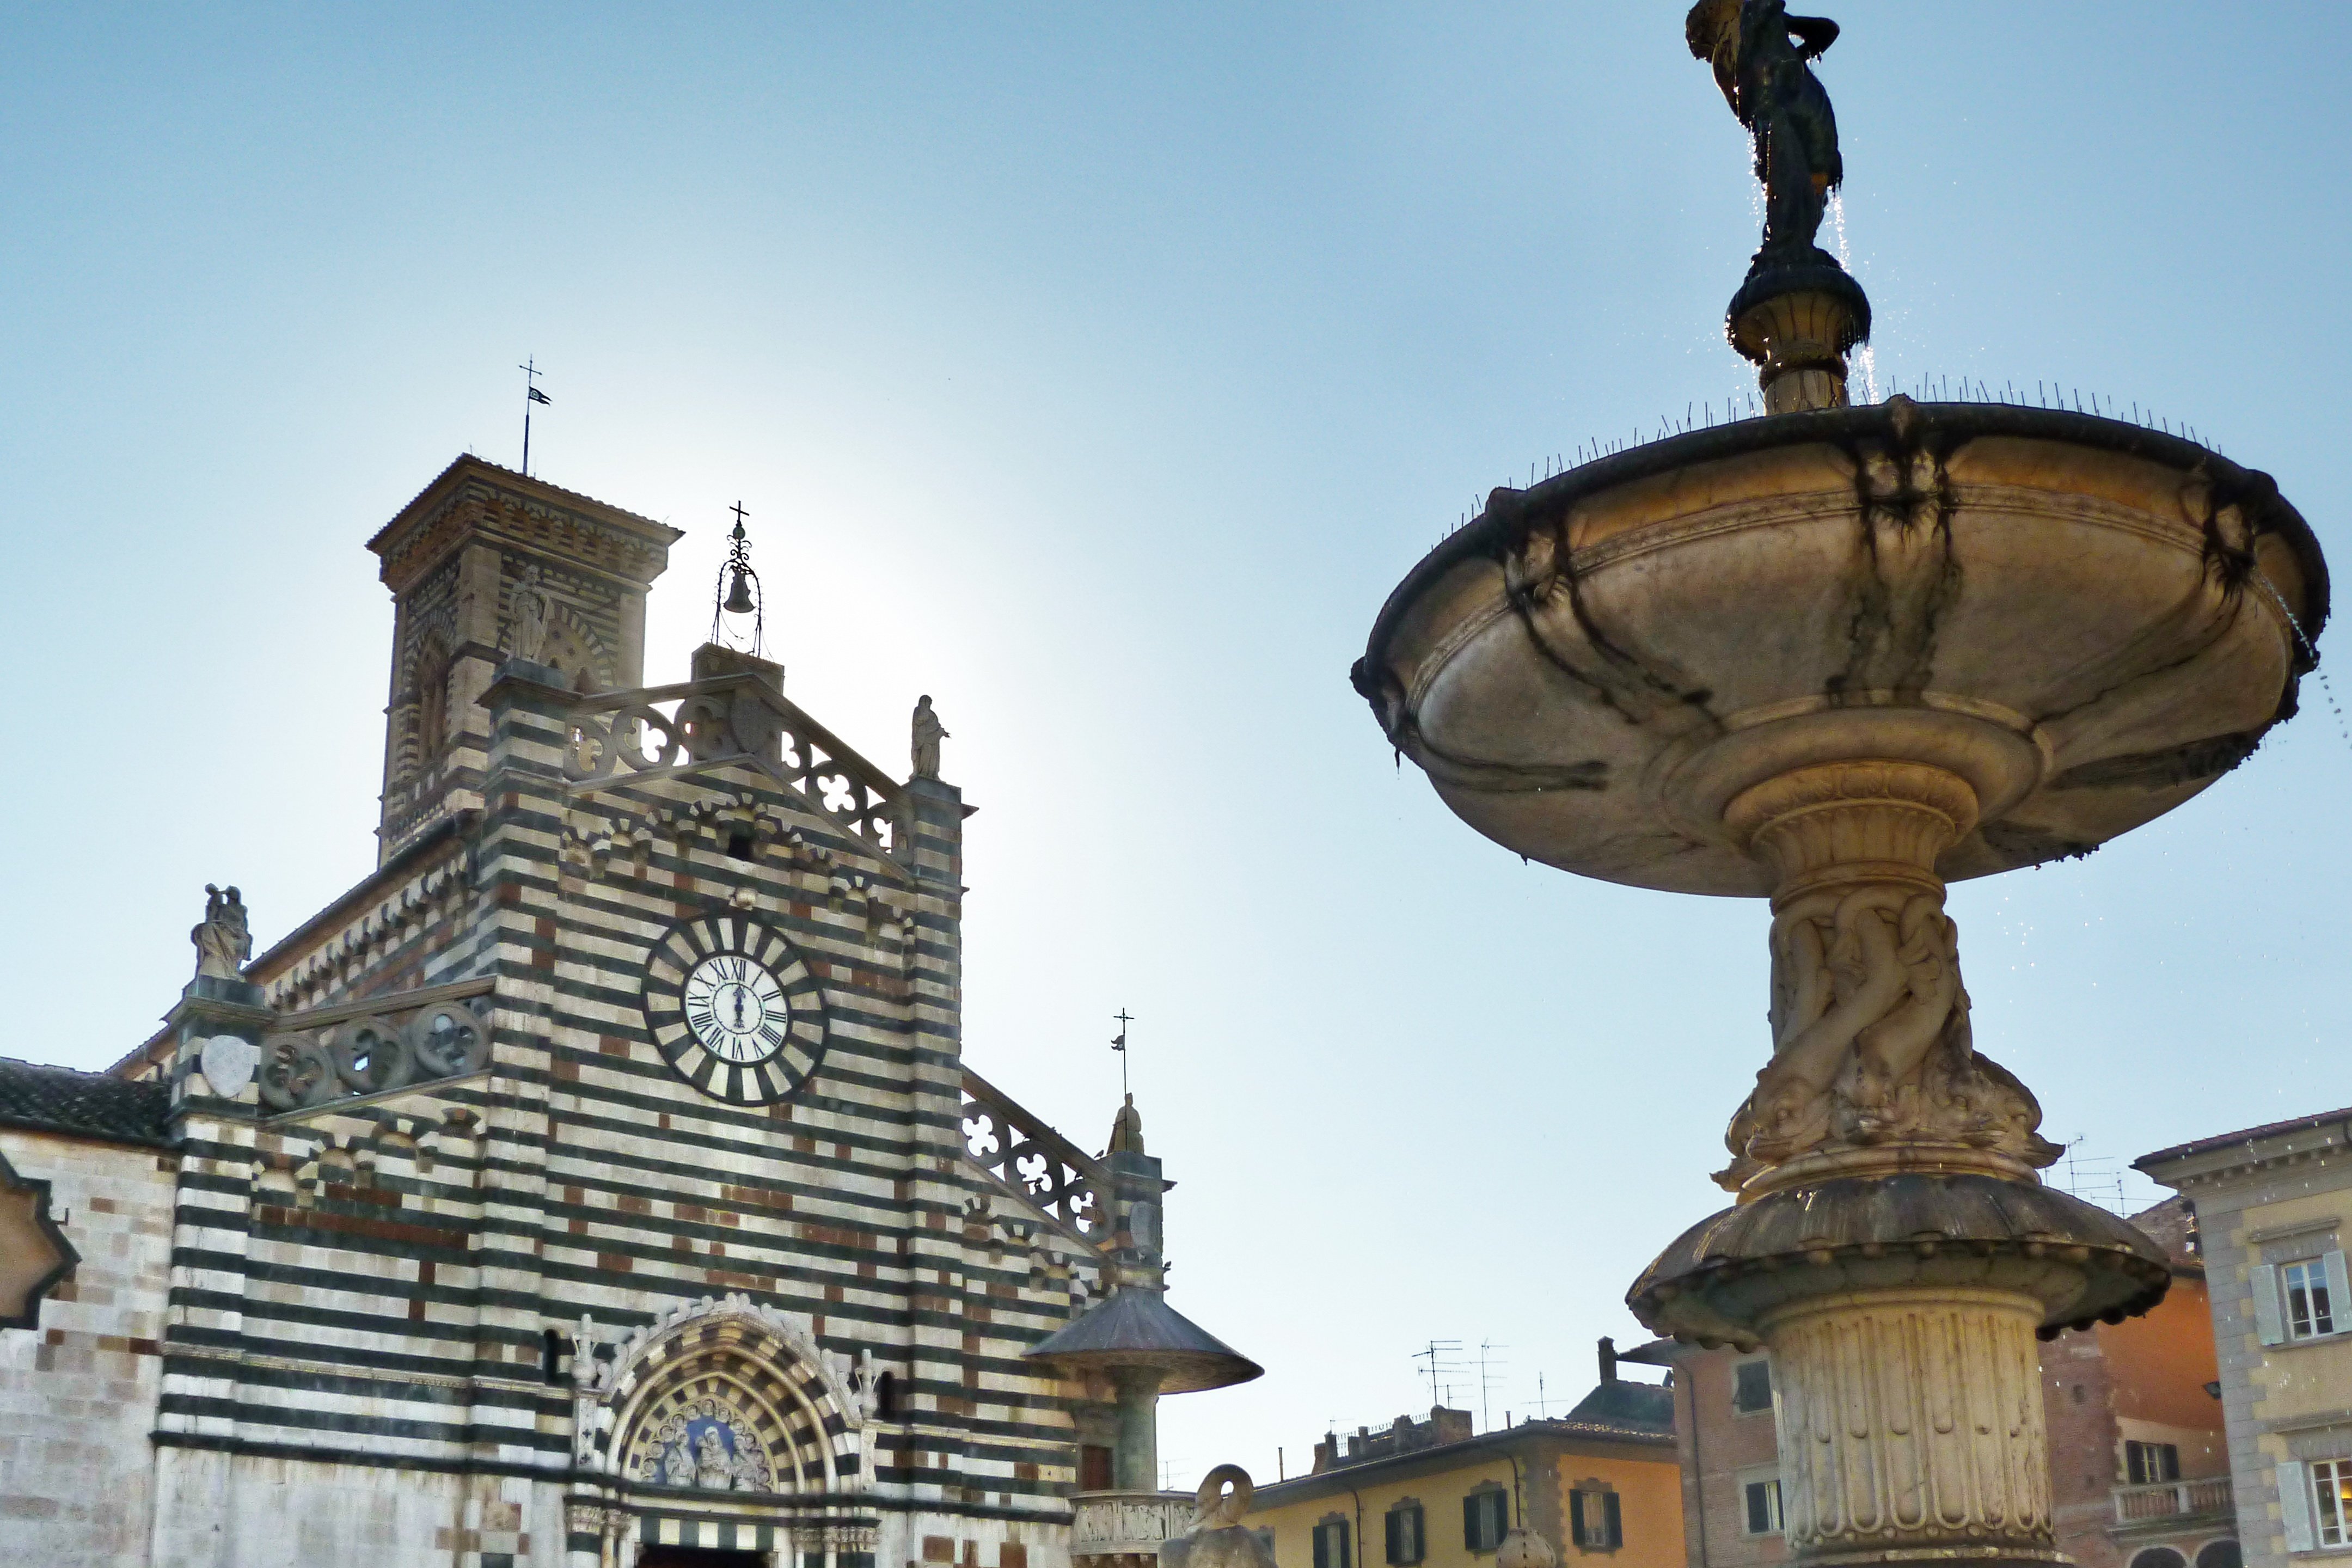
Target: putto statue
<point>929,734</point>
<point>224,942</point>
<point>1759,53</point>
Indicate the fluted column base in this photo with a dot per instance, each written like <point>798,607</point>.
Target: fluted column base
<point>1910,1425</point>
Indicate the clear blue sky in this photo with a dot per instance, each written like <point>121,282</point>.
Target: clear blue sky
<point>1098,370</point>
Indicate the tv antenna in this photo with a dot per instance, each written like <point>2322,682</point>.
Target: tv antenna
<point>1443,1359</point>
<point>1487,1379</point>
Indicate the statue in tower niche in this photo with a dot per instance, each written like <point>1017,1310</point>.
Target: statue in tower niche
<point>929,734</point>
<point>1759,53</point>
<point>527,634</point>
<point>224,942</point>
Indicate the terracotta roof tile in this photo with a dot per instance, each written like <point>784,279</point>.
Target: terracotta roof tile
<point>82,1104</point>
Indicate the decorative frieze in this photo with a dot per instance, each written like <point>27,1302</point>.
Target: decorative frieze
<point>309,1061</point>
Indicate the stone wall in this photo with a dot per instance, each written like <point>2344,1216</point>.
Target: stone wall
<point>2283,1402</point>
<point>222,1510</point>
<point>1721,1448</point>
<point>77,1390</point>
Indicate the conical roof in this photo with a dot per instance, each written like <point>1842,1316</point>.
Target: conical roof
<point>1135,1326</point>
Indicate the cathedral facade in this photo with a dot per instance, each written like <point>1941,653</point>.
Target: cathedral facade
<point>599,1183</point>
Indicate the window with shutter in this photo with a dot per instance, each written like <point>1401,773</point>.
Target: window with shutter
<point>1751,1386</point>
<point>1592,1518</point>
<point>2311,1306</point>
<point>2270,1325</point>
<point>2331,1497</point>
<point>1485,1519</point>
<point>1404,1534</point>
<point>1762,1498</point>
<point>2295,1489</point>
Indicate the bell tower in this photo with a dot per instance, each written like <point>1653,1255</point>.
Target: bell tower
<point>484,563</point>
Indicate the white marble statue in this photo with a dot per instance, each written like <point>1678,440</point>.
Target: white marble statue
<point>929,734</point>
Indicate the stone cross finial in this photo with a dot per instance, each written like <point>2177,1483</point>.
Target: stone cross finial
<point>223,939</point>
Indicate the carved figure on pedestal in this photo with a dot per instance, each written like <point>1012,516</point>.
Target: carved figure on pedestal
<point>224,942</point>
<point>1759,53</point>
<point>929,734</point>
<point>527,634</point>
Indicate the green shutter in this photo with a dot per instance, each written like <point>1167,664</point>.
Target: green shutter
<point>1396,1549</point>
<point>1576,1519</point>
<point>1322,1550</point>
<point>1615,1519</point>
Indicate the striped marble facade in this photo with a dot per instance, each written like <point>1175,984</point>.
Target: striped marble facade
<point>464,1294</point>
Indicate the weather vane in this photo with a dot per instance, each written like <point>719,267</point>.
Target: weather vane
<point>733,594</point>
<point>530,394</point>
<point>1120,1045</point>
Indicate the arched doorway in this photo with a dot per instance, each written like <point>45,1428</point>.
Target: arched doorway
<point>718,1425</point>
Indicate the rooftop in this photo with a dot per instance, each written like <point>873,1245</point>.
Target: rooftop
<point>2247,1137</point>
<point>83,1104</point>
<point>1614,1413</point>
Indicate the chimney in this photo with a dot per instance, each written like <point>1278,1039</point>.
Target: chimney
<point>1608,1359</point>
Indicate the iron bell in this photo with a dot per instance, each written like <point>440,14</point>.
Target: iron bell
<point>738,596</point>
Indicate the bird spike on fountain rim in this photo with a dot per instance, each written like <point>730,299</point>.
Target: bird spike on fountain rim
<point>1837,659</point>
<point>1799,312</point>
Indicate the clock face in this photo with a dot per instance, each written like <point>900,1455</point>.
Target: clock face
<point>736,1008</point>
<point>733,1008</point>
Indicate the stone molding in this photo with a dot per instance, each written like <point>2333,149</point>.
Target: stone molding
<point>766,1361</point>
<point>524,512</point>
<point>1853,821</point>
<point>1898,1231</point>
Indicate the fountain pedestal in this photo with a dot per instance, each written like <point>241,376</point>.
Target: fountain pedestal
<point>1836,660</point>
<point>1834,657</point>
<point>1796,325</point>
<point>1891,1245</point>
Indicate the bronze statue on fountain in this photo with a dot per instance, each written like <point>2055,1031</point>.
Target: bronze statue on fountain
<point>1799,312</point>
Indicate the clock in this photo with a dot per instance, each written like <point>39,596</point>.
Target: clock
<point>733,1009</point>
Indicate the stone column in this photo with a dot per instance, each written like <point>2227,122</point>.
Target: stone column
<point>1135,1458</point>
<point>1892,1245</point>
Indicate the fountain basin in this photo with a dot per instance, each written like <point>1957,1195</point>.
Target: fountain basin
<point>2086,621</point>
